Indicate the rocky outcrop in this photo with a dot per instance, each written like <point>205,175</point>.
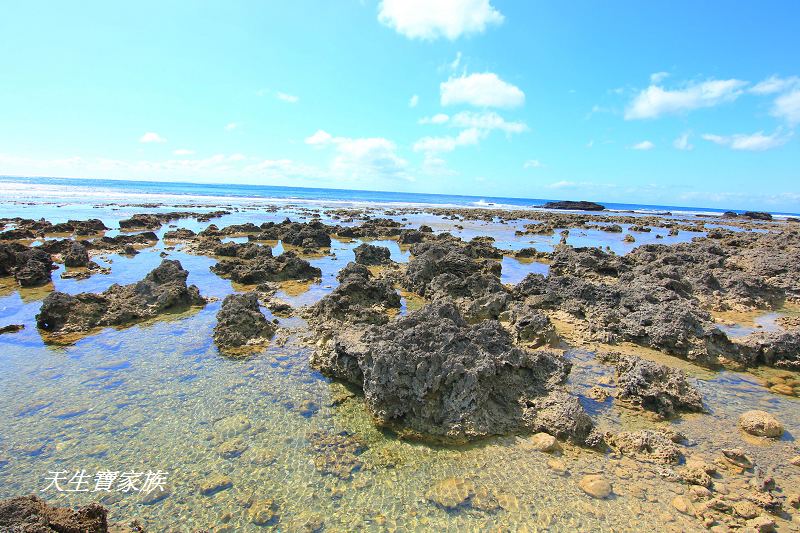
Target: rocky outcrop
<point>311,235</point>
<point>654,387</point>
<point>240,322</point>
<point>774,348</point>
<point>359,298</point>
<point>252,263</point>
<point>154,221</point>
<point>76,255</point>
<point>368,254</point>
<point>432,375</point>
<point>31,514</point>
<point>31,267</point>
<point>163,290</point>
<point>449,269</point>
<point>581,205</point>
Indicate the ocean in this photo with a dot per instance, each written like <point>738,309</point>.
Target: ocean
<point>76,190</point>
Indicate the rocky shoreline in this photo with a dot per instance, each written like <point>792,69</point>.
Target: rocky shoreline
<point>479,358</point>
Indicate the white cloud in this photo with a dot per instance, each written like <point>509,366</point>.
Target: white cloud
<point>231,126</point>
<point>682,142</point>
<point>756,142</point>
<point>288,98</point>
<point>474,127</point>
<point>449,143</point>
<point>456,62</point>
<point>775,84</point>
<point>413,101</point>
<point>532,163</point>
<point>486,120</point>
<point>431,19</point>
<point>362,158</point>
<point>439,118</point>
<point>658,77</point>
<point>787,107</point>
<point>644,145</point>
<point>152,137</point>
<point>656,101</point>
<point>320,137</point>
<point>183,151</point>
<point>481,90</point>
<point>433,165</point>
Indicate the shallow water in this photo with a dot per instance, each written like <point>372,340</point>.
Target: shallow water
<point>158,396</point>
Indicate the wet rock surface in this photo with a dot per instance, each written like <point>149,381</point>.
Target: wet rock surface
<point>432,375</point>
<point>31,267</point>
<point>368,254</point>
<point>653,386</point>
<point>240,322</point>
<point>359,298</point>
<point>163,290</point>
<point>31,514</point>
<point>251,263</point>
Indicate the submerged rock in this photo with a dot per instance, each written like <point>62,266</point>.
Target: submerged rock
<point>432,375</point>
<point>240,322</point>
<point>655,387</point>
<point>646,445</point>
<point>595,486</point>
<point>31,514</point>
<point>164,289</point>
<point>368,254</point>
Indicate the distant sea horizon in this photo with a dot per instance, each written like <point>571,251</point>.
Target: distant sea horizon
<point>66,189</point>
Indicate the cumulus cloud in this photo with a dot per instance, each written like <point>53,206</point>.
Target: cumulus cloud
<point>183,151</point>
<point>682,142</point>
<point>756,142</point>
<point>413,101</point>
<point>432,19</point>
<point>656,101</point>
<point>644,145</point>
<point>775,84</point>
<point>438,118</point>
<point>152,137</point>
<point>787,107</point>
<point>467,137</point>
<point>362,158</point>
<point>286,97</point>
<point>481,90</point>
<point>486,121</point>
<point>474,127</point>
<point>658,77</point>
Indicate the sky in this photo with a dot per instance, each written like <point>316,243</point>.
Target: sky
<point>672,103</point>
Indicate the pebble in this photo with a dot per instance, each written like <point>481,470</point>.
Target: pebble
<point>542,442</point>
<point>595,486</point>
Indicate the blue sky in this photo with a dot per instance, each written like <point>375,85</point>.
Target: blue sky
<point>680,102</point>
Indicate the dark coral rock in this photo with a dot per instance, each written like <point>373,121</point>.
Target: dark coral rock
<point>76,255</point>
<point>656,387</point>
<point>368,254</point>
<point>432,375</point>
<point>578,206</point>
<point>359,298</point>
<point>31,514</point>
<point>163,290</point>
<point>240,322</point>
